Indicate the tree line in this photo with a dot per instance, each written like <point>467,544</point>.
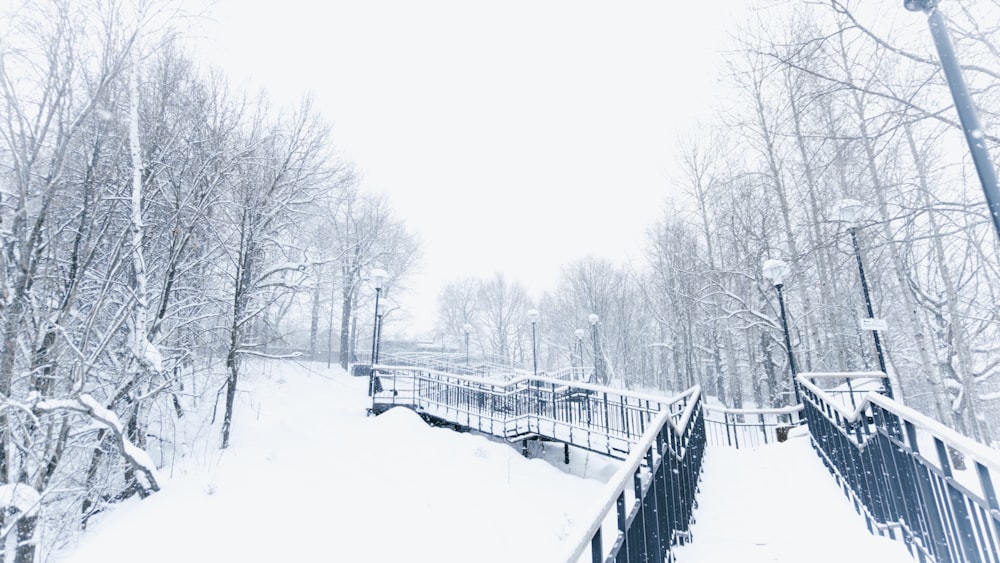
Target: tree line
<point>825,102</point>
<point>157,229</point>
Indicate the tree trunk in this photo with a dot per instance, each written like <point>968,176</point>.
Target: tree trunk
<point>346,314</point>
<point>314,323</point>
<point>958,334</point>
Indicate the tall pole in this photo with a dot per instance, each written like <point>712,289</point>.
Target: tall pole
<point>534,350</point>
<point>378,276</point>
<point>378,337</point>
<point>466,345</point>
<point>598,372</point>
<point>579,348</point>
<point>871,313</point>
<point>788,342</point>
<point>371,375</point>
<point>533,317</point>
<point>967,115</point>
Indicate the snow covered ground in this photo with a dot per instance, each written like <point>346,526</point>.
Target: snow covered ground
<point>310,478</point>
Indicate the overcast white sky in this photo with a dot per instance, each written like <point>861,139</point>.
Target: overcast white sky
<point>512,136</point>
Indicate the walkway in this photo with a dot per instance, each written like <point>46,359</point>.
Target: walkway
<point>778,503</point>
<point>310,477</point>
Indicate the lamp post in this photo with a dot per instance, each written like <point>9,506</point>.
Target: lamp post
<point>579,347</point>
<point>533,317</point>
<point>598,372</point>
<point>467,328</point>
<point>776,271</point>
<point>963,104</point>
<point>377,277</point>
<point>848,211</point>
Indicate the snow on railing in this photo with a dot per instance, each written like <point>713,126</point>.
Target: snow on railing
<point>449,362</point>
<point>749,428</point>
<point>589,416</point>
<point>642,522</point>
<point>911,477</point>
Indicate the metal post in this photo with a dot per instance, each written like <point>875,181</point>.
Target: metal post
<point>871,313</point>
<point>466,348</point>
<point>378,338</point>
<point>371,374</point>
<point>579,349</point>
<point>598,375</point>
<point>963,104</point>
<point>534,354</point>
<point>788,342</point>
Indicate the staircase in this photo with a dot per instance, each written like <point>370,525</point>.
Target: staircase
<point>895,465</point>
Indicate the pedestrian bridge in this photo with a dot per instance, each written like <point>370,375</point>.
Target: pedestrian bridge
<point>907,476</point>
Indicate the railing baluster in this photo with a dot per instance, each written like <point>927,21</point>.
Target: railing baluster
<point>597,547</point>
<point>992,512</point>
<point>876,452</point>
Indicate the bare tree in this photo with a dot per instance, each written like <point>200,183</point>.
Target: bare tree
<point>284,171</point>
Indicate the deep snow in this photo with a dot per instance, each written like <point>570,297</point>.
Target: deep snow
<point>309,477</point>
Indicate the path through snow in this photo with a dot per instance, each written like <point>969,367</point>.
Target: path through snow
<point>778,503</point>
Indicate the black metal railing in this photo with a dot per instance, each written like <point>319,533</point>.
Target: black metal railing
<point>749,428</point>
<point>449,362</point>
<point>912,478</point>
<point>595,418</point>
<point>647,507</point>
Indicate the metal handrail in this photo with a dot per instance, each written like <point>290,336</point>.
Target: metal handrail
<point>453,364</point>
<point>598,419</point>
<point>743,428</point>
<point>663,467</point>
<point>899,467</point>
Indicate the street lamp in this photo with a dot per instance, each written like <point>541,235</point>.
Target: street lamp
<point>598,372</point>
<point>533,317</point>
<point>963,104</point>
<point>377,277</point>
<point>848,211</point>
<point>467,328</point>
<point>776,271</point>
<point>579,346</point>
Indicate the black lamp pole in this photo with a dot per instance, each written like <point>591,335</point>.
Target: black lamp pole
<point>467,345</point>
<point>598,372</point>
<point>533,317</point>
<point>776,271</point>
<point>534,350</point>
<point>967,115</point>
<point>579,347</point>
<point>374,356</point>
<point>788,342</point>
<point>377,277</point>
<point>871,314</point>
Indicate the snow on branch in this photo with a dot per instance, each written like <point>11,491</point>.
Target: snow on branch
<point>148,354</point>
<point>147,474</point>
<point>296,267</point>
<point>259,354</point>
<point>19,497</point>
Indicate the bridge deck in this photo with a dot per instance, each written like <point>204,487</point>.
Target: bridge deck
<point>602,420</point>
